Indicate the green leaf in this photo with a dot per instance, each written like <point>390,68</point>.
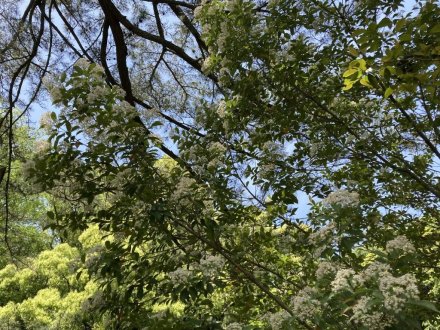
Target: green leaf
<point>385,22</point>
<point>364,81</point>
<point>425,304</point>
<point>348,85</point>
<point>350,72</point>
<point>388,92</point>
<point>359,63</point>
<point>400,24</point>
<point>435,29</point>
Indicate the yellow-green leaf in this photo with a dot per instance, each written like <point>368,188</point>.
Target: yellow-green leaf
<point>388,92</point>
<point>348,85</point>
<point>364,81</point>
<point>359,63</point>
<point>349,72</point>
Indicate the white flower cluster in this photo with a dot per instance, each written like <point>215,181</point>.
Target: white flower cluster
<point>323,235</point>
<point>305,305</point>
<point>370,319</point>
<point>125,108</point>
<point>276,319</point>
<point>325,269</point>
<point>53,86</point>
<point>82,63</point>
<point>46,120</point>
<point>180,275</point>
<point>118,92</point>
<point>402,244</point>
<point>184,190</point>
<point>221,109</point>
<point>207,65</point>
<point>98,93</point>
<point>314,148</point>
<point>342,198</point>
<point>211,265</point>
<point>41,146</point>
<point>342,281</point>
<point>234,326</point>
<point>273,149</point>
<point>217,148</point>
<point>372,272</point>
<point>97,71</point>
<point>222,39</point>
<point>198,11</point>
<point>397,290</point>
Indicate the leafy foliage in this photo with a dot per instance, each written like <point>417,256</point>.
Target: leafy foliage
<point>176,199</point>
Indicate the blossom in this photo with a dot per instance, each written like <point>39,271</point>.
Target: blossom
<point>322,235</point>
<point>221,109</point>
<point>400,243</point>
<point>118,92</point>
<point>56,95</point>
<point>325,269</point>
<point>277,319</point>
<point>305,305</point>
<point>342,280</point>
<point>82,63</point>
<point>234,326</point>
<point>342,198</point>
<point>125,108</point>
<point>364,315</point>
<point>207,64</point>
<point>198,12</point>
<point>42,146</point>
<point>217,148</point>
<point>180,275</point>
<point>212,265</point>
<point>46,120</point>
<point>398,290</point>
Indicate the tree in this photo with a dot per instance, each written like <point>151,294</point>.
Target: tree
<point>262,100</point>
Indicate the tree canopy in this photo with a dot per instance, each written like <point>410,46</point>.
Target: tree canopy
<point>165,186</point>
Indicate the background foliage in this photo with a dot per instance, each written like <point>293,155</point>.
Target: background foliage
<point>164,187</point>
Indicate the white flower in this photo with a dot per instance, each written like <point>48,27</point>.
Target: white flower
<point>234,326</point>
<point>342,280</point>
<point>342,198</point>
<point>211,265</point>
<point>118,92</point>
<point>42,146</point>
<point>400,243</point>
<point>56,95</point>
<point>180,275</point>
<point>46,120</point>
<point>305,305</point>
<point>221,109</point>
<point>207,65</point>
<point>125,108</point>
<point>325,269</point>
<point>217,148</point>
<point>397,290</point>
<point>323,235</point>
<point>82,63</point>
<point>198,12</point>
<point>314,148</point>
<point>363,315</point>
<point>276,319</point>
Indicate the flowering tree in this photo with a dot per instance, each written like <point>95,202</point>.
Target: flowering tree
<point>186,131</point>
